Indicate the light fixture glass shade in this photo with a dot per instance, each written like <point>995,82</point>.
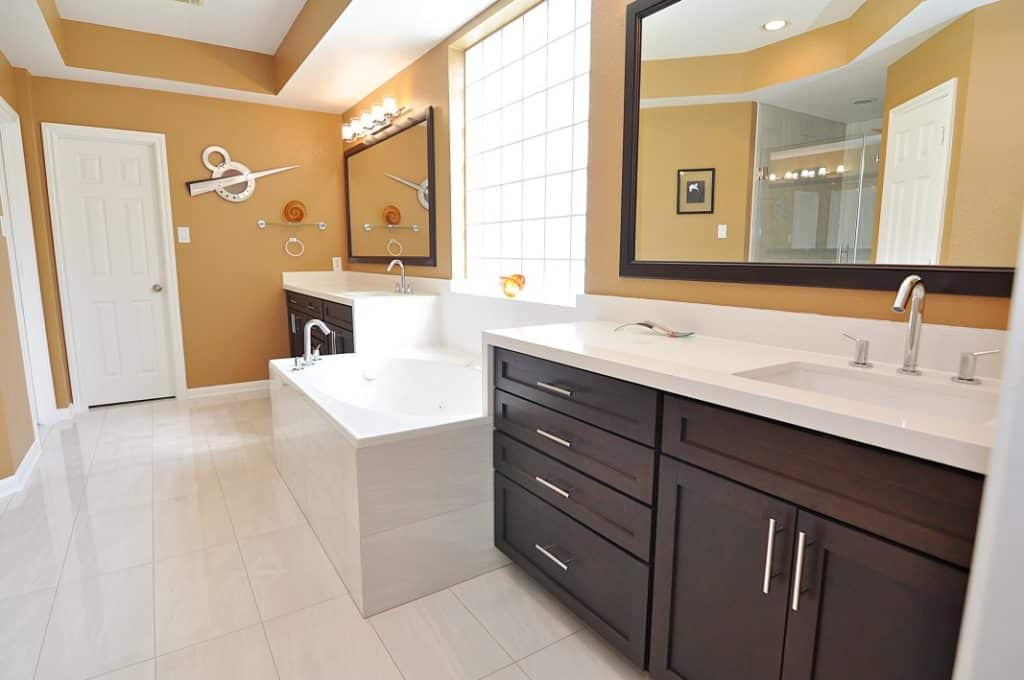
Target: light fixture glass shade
<point>367,120</point>
<point>378,113</point>
<point>356,125</point>
<point>346,133</point>
<point>390,105</point>
<point>775,25</point>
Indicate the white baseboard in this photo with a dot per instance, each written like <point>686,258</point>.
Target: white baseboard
<point>63,414</point>
<point>232,388</point>
<point>16,482</point>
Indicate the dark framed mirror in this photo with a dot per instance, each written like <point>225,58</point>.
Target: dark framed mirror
<point>390,194</point>
<point>842,145</point>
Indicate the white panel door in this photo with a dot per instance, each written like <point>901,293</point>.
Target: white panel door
<point>114,278</point>
<point>916,178</point>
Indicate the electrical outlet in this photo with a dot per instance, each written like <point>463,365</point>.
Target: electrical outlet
<point>723,231</point>
<point>336,264</point>
<point>184,235</point>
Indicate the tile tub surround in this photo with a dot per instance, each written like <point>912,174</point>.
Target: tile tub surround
<point>703,368</point>
<point>108,622</point>
<point>400,514</point>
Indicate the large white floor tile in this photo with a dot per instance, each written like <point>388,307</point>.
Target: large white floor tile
<point>190,523</point>
<point>109,540</point>
<point>120,488</point>
<point>584,655</point>
<point>329,641</point>
<point>520,615</point>
<point>118,451</point>
<point>261,507</point>
<point>244,655</point>
<point>200,596</point>
<point>98,625</point>
<point>141,671</point>
<point>509,673</point>
<point>244,464</point>
<point>289,571</point>
<point>436,638</point>
<point>22,625</point>
<point>184,476</point>
<point>31,551</point>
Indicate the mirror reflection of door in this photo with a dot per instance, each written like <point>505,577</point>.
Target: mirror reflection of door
<point>852,135</point>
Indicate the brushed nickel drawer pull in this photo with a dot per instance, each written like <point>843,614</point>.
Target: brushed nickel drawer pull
<point>769,553</point>
<point>801,545</point>
<point>561,492</point>
<point>560,391</point>
<point>564,566</point>
<point>555,438</point>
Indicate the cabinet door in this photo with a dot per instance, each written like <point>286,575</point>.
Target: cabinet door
<point>346,341</point>
<point>721,578</point>
<point>862,607</point>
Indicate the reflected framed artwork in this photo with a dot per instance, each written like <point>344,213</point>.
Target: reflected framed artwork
<point>695,191</point>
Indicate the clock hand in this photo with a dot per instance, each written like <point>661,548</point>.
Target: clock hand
<point>205,186</point>
<point>411,185</point>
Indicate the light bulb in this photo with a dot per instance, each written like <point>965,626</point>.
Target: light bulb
<point>840,169</point>
<point>378,113</point>
<point>346,133</point>
<point>775,25</point>
<point>822,172</point>
<point>390,105</point>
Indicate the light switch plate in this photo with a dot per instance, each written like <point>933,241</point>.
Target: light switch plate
<point>184,235</point>
<point>336,263</point>
<point>723,231</point>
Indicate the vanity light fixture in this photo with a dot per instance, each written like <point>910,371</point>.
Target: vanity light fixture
<point>379,117</point>
<point>775,25</point>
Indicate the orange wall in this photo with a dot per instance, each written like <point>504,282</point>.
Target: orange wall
<point>16,429</point>
<point>230,275</point>
<point>605,178</point>
<point>719,136</point>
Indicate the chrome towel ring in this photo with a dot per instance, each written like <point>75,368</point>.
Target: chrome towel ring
<point>293,241</point>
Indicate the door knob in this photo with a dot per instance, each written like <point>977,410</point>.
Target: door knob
<point>157,288</point>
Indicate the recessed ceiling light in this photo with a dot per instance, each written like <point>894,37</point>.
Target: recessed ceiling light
<point>775,25</point>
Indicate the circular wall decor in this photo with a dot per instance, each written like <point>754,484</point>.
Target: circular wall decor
<point>392,215</point>
<point>236,193</point>
<point>294,211</point>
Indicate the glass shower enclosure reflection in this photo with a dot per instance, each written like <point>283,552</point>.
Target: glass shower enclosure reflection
<point>816,201</point>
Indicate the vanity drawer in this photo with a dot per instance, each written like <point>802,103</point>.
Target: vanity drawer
<point>621,407</point>
<point>602,584</point>
<point>923,505</point>
<point>305,303</point>
<point>618,518</point>
<point>620,463</point>
<point>338,314</point>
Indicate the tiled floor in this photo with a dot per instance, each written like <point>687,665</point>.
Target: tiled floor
<point>159,541</point>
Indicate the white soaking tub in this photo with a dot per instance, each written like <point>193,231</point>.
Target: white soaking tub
<point>390,460</point>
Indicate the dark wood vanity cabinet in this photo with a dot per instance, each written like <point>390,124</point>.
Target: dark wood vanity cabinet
<point>748,586</point>
<point>710,544</point>
<point>302,308</point>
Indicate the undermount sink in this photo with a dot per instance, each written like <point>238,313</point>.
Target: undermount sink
<point>933,397</point>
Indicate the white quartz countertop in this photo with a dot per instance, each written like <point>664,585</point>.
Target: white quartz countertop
<point>704,368</point>
<point>343,295</point>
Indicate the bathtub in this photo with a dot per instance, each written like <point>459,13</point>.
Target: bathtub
<point>390,460</point>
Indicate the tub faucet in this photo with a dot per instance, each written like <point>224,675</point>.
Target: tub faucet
<point>308,356</point>
<point>912,288</point>
<point>401,286</point>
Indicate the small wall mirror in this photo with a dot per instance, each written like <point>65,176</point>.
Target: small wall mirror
<point>825,142</point>
<point>389,190</point>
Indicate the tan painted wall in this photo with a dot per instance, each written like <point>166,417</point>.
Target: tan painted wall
<point>719,136</point>
<point>230,275</point>
<point>605,178</point>
<point>16,430</point>
<point>405,156</point>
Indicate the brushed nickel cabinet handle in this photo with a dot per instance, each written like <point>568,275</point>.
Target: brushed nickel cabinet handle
<point>555,438</point>
<point>769,553</point>
<point>292,315</point>
<point>801,545</point>
<point>560,491</point>
<point>564,566</point>
<point>561,391</point>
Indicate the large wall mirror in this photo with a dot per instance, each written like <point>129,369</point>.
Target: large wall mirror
<point>840,143</point>
<point>389,190</point>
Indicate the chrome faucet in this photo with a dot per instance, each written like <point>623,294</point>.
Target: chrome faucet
<point>913,289</point>
<point>401,286</point>
<point>308,355</point>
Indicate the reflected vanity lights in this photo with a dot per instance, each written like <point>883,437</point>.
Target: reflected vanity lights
<point>380,117</point>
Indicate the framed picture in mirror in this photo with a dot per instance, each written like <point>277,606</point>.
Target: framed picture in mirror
<point>695,192</point>
<point>851,146</point>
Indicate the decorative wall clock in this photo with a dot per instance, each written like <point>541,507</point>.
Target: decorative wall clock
<point>233,181</point>
<point>421,188</point>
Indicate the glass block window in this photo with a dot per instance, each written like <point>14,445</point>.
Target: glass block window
<point>527,106</point>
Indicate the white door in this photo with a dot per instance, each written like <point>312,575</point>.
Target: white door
<point>104,190</point>
<point>916,178</point>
